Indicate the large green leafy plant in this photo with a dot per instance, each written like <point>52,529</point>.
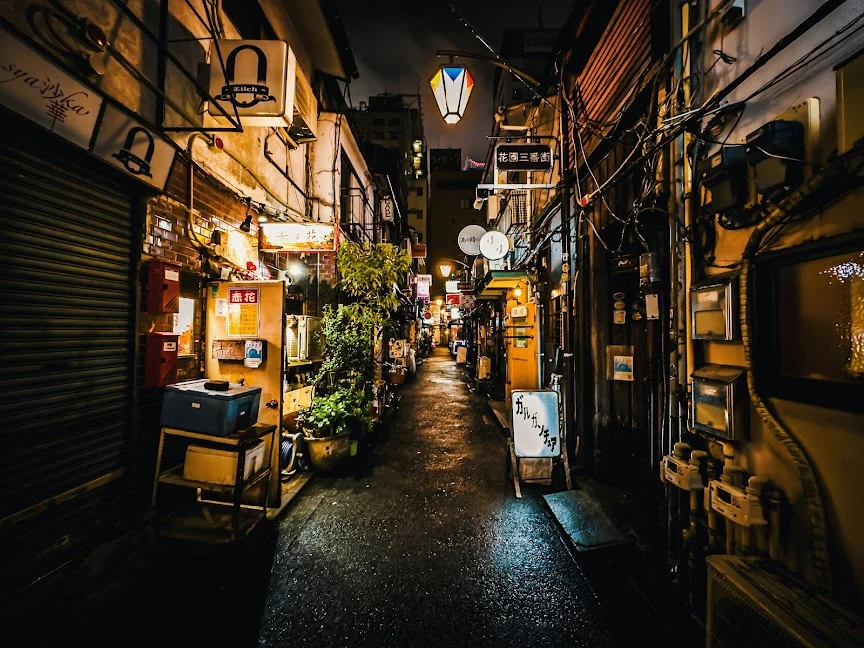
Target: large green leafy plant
<point>368,274</point>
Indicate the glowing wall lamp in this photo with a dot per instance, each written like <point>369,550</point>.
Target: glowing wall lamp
<point>446,269</point>
<point>452,87</point>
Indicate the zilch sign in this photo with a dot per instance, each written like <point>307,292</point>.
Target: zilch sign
<point>258,81</point>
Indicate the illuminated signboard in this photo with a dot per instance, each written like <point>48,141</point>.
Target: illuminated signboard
<point>454,300</point>
<point>298,237</point>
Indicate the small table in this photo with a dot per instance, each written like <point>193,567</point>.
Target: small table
<point>211,528</point>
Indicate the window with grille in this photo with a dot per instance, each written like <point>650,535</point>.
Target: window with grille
<point>517,208</point>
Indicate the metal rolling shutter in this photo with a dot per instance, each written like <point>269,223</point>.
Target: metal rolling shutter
<point>66,347</point>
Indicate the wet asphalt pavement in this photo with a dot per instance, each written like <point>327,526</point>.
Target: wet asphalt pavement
<point>419,542</point>
<point>425,544</point>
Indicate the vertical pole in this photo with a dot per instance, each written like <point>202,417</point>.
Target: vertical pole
<point>161,61</point>
<point>572,389</point>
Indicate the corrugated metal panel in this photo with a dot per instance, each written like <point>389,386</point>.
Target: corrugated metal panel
<point>617,64</point>
<point>66,329</point>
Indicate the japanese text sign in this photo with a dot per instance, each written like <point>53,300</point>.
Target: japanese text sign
<point>534,421</point>
<point>523,157</point>
<point>243,312</point>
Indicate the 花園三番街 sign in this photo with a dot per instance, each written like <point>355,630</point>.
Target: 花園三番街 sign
<point>244,310</point>
<point>534,420</point>
<point>523,157</point>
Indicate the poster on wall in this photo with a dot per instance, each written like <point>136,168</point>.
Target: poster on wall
<point>534,421</point>
<point>623,368</point>
<point>244,311</point>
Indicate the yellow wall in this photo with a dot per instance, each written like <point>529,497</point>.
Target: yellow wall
<point>833,440</point>
<point>268,376</point>
<point>521,362</point>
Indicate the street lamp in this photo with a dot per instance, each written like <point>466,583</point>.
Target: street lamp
<point>452,84</point>
<point>451,87</point>
<point>445,267</point>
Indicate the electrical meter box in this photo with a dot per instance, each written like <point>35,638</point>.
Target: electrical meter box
<point>720,402</point>
<point>726,178</point>
<point>163,287</point>
<point>776,152</point>
<point>714,307</point>
<point>160,359</point>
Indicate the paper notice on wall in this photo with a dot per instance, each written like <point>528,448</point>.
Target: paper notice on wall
<point>623,368</point>
<point>221,307</point>
<point>243,312</point>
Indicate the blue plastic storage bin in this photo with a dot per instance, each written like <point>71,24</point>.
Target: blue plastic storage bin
<point>188,406</point>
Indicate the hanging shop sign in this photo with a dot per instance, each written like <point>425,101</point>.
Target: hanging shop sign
<point>418,251</point>
<point>519,311</point>
<point>451,286</point>
<point>36,89</point>
<point>523,157</point>
<point>298,237</point>
<point>258,81</point>
<point>494,245</point>
<point>127,144</point>
<point>244,312</point>
<point>534,421</point>
<point>469,239</point>
<point>465,287</point>
<point>467,303</point>
<point>424,285</point>
<point>453,300</point>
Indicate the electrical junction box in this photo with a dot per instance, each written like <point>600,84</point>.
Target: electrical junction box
<point>725,176</point>
<point>736,504</point>
<point>720,403</point>
<point>680,473</point>
<point>776,152</point>
<point>163,287</point>
<point>714,307</point>
<point>160,359</point>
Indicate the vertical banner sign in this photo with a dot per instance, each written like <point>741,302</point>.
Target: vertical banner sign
<point>424,284</point>
<point>534,420</point>
<point>244,310</point>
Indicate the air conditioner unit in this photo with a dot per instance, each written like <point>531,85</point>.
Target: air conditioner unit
<point>302,340</point>
<point>305,123</point>
<point>752,602</point>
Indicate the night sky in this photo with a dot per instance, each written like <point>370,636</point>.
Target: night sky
<point>394,42</point>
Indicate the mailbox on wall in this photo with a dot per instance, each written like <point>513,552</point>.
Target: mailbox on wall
<point>163,287</point>
<point>160,359</point>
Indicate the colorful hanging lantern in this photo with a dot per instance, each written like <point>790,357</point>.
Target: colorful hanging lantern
<point>452,87</point>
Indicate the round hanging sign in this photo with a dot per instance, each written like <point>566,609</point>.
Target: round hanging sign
<point>494,245</point>
<point>469,239</point>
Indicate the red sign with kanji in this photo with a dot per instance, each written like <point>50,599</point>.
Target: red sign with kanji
<point>454,299</point>
<point>242,296</point>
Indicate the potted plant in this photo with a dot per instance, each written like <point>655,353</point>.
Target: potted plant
<point>340,413</point>
<point>332,423</point>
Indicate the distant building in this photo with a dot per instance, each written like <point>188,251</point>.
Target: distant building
<point>451,207</point>
<point>395,123</point>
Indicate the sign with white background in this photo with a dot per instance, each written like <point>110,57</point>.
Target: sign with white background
<point>534,421</point>
<point>469,239</point>
<point>494,245</point>
<point>38,90</point>
<point>130,146</point>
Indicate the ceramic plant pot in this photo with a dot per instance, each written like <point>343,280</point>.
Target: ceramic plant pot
<point>326,453</point>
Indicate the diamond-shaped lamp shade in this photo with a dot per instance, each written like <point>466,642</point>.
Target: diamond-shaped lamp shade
<point>452,88</point>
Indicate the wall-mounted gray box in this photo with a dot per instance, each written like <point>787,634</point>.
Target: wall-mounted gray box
<point>720,401</point>
<point>714,307</point>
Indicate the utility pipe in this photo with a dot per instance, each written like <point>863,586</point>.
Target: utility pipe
<point>814,500</point>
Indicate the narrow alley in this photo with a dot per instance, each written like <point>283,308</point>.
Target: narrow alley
<point>428,545</point>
